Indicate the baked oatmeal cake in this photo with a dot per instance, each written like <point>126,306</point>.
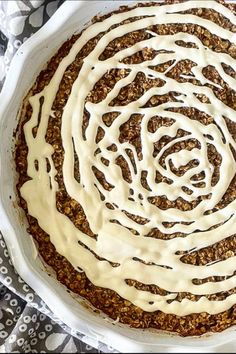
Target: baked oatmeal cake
<point>126,150</point>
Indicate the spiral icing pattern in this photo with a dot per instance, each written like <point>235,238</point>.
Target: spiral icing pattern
<point>120,184</point>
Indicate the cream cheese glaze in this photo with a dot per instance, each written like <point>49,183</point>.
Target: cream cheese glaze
<point>115,242</point>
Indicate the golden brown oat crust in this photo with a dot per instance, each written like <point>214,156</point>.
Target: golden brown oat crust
<point>107,300</point>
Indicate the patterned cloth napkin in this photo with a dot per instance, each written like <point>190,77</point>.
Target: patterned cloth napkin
<point>26,323</point>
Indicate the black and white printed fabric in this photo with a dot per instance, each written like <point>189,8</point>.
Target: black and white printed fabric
<point>19,19</point>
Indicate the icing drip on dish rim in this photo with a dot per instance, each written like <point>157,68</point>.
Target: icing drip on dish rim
<point>115,242</point>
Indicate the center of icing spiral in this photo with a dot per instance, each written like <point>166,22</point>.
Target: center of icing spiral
<point>120,182</point>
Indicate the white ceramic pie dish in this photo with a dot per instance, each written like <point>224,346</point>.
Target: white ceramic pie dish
<point>27,63</point>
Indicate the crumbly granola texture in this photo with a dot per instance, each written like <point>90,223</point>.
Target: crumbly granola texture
<point>105,300</point>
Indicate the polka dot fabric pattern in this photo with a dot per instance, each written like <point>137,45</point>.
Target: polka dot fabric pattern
<point>26,324</point>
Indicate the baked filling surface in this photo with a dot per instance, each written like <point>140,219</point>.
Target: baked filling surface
<point>126,152</point>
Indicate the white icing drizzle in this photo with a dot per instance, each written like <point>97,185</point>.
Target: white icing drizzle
<point>114,241</point>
